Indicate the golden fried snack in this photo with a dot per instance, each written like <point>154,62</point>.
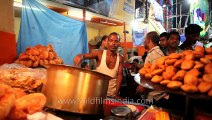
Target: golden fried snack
<point>32,57</point>
<point>187,64</point>
<point>163,67</point>
<point>174,85</point>
<point>156,79</point>
<point>186,52</point>
<point>179,75</point>
<point>205,60</point>
<point>189,56</point>
<point>161,60</point>
<point>27,104</point>
<point>34,51</point>
<point>18,93</point>
<point>194,72</point>
<point>51,56</point>
<point>170,61</point>
<point>208,51</point>
<point>210,93</point>
<point>157,72</point>
<point>208,68</point>
<point>58,61</point>
<point>7,101</point>
<point>153,67</point>
<point>46,62</point>
<point>44,55</point>
<point>55,54</point>
<point>204,87</point>
<point>142,71</point>
<point>174,56</point>
<point>148,76</point>
<point>178,63</point>
<point>199,49</point>
<point>36,63</point>
<point>147,65</point>
<point>208,57</point>
<point>51,48</point>
<point>24,57</point>
<point>189,88</point>
<point>190,79</point>
<point>171,68</point>
<point>165,82</point>
<point>52,62</point>
<point>199,66</point>
<point>168,75</point>
<point>198,54</point>
<point>207,77</point>
<point>41,62</point>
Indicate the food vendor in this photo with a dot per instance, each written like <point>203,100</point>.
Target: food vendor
<point>109,62</point>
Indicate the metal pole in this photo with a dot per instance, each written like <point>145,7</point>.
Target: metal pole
<point>125,43</point>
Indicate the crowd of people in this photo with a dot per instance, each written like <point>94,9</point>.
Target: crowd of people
<point>110,62</point>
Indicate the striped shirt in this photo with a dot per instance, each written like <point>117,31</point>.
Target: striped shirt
<point>153,55</point>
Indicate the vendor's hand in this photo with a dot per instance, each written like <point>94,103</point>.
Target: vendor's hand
<point>77,59</point>
<point>140,89</point>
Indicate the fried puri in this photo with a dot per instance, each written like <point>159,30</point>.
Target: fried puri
<point>205,60</point>
<point>207,77</point>
<point>157,79</point>
<point>174,85</point>
<point>208,68</point>
<point>7,100</point>
<point>178,63</point>
<point>189,88</point>
<point>170,61</point>
<point>179,75</point>
<point>27,104</point>
<point>190,79</point>
<point>165,82</point>
<point>157,72</point>
<point>187,64</point>
<point>208,50</point>
<point>204,87</point>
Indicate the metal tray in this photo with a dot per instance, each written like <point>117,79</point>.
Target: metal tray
<point>148,84</point>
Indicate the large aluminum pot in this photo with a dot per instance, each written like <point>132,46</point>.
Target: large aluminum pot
<point>75,90</point>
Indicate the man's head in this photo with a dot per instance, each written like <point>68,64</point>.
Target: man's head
<point>192,33</point>
<point>104,42</point>
<point>151,40</point>
<point>163,39</point>
<point>173,39</point>
<point>113,41</point>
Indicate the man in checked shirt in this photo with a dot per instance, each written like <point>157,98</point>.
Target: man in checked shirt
<point>151,43</point>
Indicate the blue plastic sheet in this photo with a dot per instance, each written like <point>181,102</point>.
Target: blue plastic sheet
<point>40,25</point>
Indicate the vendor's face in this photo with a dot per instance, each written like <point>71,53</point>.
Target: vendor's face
<point>163,41</point>
<point>113,42</point>
<point>192,38</point>
<point>173,41</point>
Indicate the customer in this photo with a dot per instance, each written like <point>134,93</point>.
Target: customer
<point>173,42</point>
<point>151,43</point>
<point>85,65</point>
<point>163,41</point>
<point>192,34</point>
<point>135,56</point>
<point>109,62</point>
<point>103,43</point>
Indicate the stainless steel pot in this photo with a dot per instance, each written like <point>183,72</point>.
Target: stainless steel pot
<point>74,89</point>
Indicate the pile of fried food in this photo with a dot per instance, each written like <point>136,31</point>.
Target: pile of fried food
<point>28,79</point>
<point>15,104</point>
<point>190,71</point>
<point>39,56</point>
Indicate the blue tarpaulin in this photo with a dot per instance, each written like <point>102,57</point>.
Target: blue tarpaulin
<point>40,25</point>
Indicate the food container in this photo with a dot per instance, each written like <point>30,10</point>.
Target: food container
<point>75,90</point>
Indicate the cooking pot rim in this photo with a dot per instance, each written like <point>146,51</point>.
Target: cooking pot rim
<point>77,68</point>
